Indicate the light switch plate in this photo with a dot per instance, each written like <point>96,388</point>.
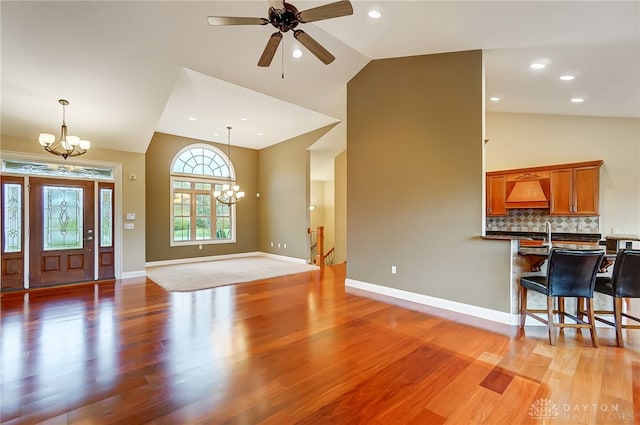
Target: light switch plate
<point>129,226</point>
<point>131,216</point>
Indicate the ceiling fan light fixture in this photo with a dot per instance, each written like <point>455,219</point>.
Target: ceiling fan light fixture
<point>285,17</point>
<point>297,53</point>
<point>374,14</point>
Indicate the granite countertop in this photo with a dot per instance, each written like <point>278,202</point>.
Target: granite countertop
<point>578,237</point>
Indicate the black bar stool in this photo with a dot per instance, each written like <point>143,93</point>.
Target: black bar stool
<point>570,273</point>
<point>623,283</point>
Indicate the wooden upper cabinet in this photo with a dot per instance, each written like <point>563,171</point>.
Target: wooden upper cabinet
<point>496,195</point>
<point>571,189</point>
<point>575,191</point>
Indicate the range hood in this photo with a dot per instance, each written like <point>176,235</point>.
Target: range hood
<point>528,193</point>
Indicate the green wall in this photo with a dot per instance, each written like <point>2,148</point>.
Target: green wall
<point>284,195</point>
<point>414,181</point>
<point>160,153</point>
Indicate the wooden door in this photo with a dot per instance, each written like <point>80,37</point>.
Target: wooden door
<point>62,231</point>
<point>496,195</point>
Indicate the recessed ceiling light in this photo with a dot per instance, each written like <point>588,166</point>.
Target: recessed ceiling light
<point>567,77</point>
<point>216,134</point>
<point>259,134</point>
<point>538,66</point>
<point>374,14</point>
<point>243,119</point>
<point>494,99</point>
<point>193,119</point>
<point>297,53</point>
<point>577,100</point>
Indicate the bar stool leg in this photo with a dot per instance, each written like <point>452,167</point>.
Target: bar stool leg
<point>592,322</point>
<point>561,312</point>
<point>617,314</point>
<point>523,306</point>
<point>550,325</point>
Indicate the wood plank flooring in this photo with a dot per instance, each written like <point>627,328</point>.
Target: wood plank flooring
<point>294,350</point>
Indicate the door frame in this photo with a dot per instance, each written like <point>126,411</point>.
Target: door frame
<point>116,167</point>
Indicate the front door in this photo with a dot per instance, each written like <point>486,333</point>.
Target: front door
<point>62,231</point>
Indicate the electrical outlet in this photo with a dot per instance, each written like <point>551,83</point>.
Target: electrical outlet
<point>200,246</point>
<point>271,244</point>
<point>278,244</point>
<point>394,270</point>
<point>284,246</point>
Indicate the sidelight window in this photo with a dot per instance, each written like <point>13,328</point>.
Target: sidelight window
<point>12,217</point>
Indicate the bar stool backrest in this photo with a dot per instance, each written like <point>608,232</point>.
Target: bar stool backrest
<point>626,274</point>
<point>572,273</point>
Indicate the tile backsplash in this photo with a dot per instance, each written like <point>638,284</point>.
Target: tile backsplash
<point>533,220</point>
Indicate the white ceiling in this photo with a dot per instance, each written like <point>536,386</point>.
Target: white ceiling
<point>132,68</point>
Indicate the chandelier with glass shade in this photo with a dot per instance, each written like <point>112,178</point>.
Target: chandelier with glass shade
<point>230,193</point>
<point>67,145</point>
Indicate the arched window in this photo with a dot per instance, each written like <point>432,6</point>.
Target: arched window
<point>196,216</point>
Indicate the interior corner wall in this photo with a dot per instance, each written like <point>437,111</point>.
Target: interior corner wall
<point>284,187</point>
<point>415,173</point>
<point>160,153</point>
<point>340,208</point>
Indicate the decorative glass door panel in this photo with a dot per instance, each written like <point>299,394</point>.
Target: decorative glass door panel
<point>62,223</point>
<point>12,212</point>
<point>62,219</point>
<point>106,260</point>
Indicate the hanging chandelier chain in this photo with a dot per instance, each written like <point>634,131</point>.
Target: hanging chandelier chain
<point>230,193</point>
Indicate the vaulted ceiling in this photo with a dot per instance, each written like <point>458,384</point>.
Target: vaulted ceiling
<point>132,68</point>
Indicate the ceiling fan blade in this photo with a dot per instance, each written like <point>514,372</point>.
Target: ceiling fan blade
<point>314,47</point>
<point>226,20</point>
<point>276,4</point>
<point>327,11</point>
<point>270,49</point>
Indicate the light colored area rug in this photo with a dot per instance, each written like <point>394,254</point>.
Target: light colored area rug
<point>209,274</point>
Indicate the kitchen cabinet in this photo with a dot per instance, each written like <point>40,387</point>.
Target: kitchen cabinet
<point>575,191</point>
<point>496,195</point>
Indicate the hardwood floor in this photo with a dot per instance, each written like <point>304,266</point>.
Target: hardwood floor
<point>296,349</point>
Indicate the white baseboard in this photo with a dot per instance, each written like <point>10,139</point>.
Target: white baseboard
<point>131,275</point>
<point>470,310</point>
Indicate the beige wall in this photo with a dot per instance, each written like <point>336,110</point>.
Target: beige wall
<point>524,140</point>
<point>340,208</point>
<point>285,195</point>
<point>415,172</point>
<point>322,196</point>
<point>316,197</point>
<point>160,153</point>
<point>131,196</point>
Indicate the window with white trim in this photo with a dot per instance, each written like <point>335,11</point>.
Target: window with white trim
<point>196,216</point>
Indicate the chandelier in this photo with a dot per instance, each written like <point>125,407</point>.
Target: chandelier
<point>67,145</point>
<point>230,193</point>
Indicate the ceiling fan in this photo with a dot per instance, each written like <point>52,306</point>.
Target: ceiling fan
<point>284,17</point>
